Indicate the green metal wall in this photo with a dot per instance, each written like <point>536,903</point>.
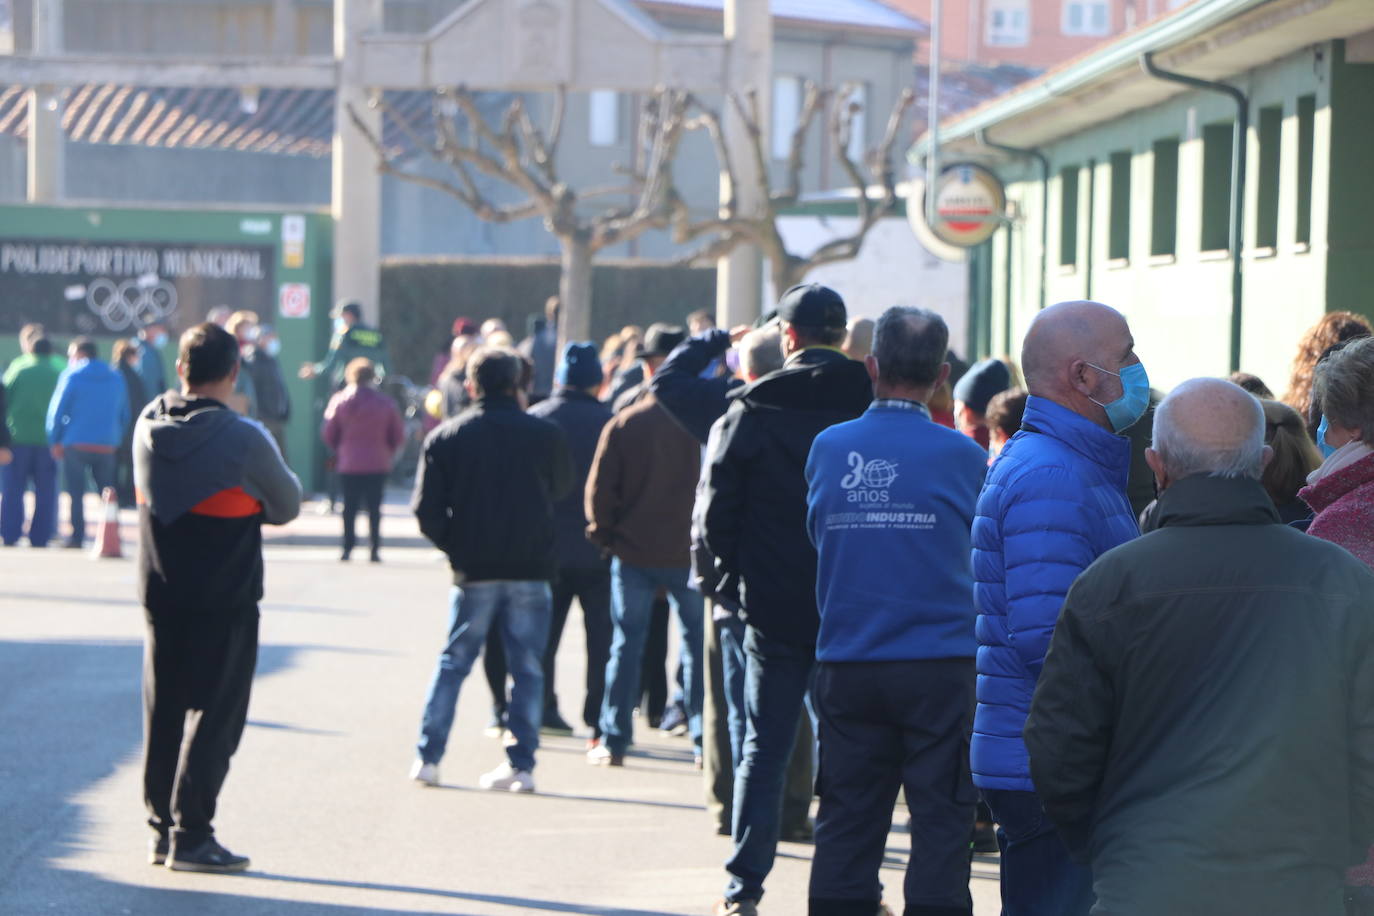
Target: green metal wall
<point>303,338</point>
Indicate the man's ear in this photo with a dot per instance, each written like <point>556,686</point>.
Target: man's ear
<point>181,370</point>
<point>1266,456</point>
<point>871,364</point>
<point>1079,379</point>
<point>942,376</point>
<point>1156,462</point>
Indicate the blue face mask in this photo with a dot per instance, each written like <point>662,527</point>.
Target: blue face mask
<point>1135,396</point>
<point>1327,450</point>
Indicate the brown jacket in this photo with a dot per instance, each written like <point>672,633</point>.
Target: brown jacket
<point>640,489</point>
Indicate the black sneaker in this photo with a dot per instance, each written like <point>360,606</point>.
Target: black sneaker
<point>554,724</point>
<point>157,850</point>
<point>209,856</point>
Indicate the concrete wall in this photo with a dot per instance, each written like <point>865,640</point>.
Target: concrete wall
<point>1180,306</point>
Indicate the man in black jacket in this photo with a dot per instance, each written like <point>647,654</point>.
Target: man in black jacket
<point>269,383</point>
<point>755,525</point>
<point>1202,733</point>
<point>484,494</point>
<point>207,480</point>
<point>582,572</point>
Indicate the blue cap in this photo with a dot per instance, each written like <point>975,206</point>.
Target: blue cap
<point>580,366</point>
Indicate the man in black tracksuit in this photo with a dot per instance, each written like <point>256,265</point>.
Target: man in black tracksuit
<point>755,525</point>
<point>207,480</point>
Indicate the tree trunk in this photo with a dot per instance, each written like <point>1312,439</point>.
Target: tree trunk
<point>575,290</point>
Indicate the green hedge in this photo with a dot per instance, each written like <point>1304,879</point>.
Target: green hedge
<point>421,296</point>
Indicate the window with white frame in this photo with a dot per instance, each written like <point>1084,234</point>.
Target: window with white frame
<point>1008,23</point>
<point>603,117</point>
<point>1087,17</point>
<point>787,102</point>
<point>858,125</point>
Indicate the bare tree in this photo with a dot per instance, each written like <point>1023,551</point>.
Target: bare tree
<point>524,157</point>
<point>874,183</point>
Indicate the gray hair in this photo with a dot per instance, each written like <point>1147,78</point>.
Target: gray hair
<point>910,345</point>
<point>1345,386</point>
<point>760,352</point>
<point>1210,426</point>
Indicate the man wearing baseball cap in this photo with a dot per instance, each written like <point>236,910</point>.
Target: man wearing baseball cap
<point>755,525</point>
<point>980,384</point>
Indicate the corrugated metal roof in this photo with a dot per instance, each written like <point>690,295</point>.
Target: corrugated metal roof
<point>294,122</point>
<point>868,14</point>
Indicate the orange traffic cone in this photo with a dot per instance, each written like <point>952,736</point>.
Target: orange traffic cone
<point>107,537</point>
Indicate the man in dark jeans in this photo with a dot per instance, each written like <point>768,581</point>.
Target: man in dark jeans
<point>208,480</point>
<point>755,525</point>
<point>892,497</point>
<point>582,573</point>
<point>484,494</point>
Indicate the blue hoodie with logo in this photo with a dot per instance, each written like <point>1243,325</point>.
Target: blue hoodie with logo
<point>891,499</point>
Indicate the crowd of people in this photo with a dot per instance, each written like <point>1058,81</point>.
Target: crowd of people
<point>891,573</point>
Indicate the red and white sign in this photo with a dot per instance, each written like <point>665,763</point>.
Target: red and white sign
<point>294,300</point>
<point>970,205</point>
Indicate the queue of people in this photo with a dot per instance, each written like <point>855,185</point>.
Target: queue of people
<point>940,578</point>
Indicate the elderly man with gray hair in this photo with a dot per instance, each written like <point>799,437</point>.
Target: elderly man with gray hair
<point>1203,730</point>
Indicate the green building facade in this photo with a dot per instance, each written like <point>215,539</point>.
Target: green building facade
<point>1137,208</point>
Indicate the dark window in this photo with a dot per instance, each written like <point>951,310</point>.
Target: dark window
<point>1068,216</point>
<point>1216,186</point>
<point>1270,130</point>
<point>1119,230</point>
<point>1307,126</point>
<point>1164,201</point>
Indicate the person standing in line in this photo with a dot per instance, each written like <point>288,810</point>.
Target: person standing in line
<point>85,424</point>
<point>363,428</point>
<point>639,509</point>
<point>541,349</point>
<point>582,571</point>
<point>1054,501</point>
<point>891,501</point>
<point>30,380</point>
<point>150,342</point>
<point>269,382</point>
<point>755,525</point>
<point>1202,733</point>
<point>1003,418</point>
<point>208,480</point>
<point>484,495</point>
<point>125,361</point>
<point>975,389</point>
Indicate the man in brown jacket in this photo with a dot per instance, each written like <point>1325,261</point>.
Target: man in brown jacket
<point>639,502</point>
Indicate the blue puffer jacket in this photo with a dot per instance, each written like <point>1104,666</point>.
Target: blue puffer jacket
<point>1054,501</point>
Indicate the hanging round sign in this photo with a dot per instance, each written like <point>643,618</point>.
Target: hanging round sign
<point>970,204</point>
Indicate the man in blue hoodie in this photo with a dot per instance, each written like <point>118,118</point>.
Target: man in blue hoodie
<point>890,500</point>
<point>86,422</point>
<point>1054,502</point>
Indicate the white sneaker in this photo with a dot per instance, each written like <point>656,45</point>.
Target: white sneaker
<point>427,773</point>
<point>508,779</point>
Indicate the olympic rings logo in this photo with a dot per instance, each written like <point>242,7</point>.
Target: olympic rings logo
<point>131,304</point>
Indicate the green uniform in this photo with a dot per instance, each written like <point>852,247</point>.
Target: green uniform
<point>30,382</point>
<point>350,344</point>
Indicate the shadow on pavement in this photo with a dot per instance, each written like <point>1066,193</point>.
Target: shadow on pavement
<point>648,803</point>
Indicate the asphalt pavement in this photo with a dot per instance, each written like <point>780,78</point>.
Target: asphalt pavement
<point>317,794</point>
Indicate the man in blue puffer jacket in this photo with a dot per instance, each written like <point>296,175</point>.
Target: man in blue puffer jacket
<point>1054,501</point>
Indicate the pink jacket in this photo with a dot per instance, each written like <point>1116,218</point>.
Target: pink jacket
<point>363,428</point>
<point>1344,503</point>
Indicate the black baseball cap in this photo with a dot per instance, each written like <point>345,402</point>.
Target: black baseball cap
<point>813,306</point>
<point>661,339</point>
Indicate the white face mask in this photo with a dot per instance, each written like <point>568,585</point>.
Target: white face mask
<point>272,347</point>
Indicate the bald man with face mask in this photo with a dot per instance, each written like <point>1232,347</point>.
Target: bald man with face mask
<point>1052,504</point>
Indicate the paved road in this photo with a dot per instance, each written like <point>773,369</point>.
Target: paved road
<point>317,794</point>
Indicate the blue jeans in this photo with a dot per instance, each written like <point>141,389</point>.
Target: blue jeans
<point>632,598</point>
<point>31,463</point>
<point>1038,877</point>
<point>76,466</point>
<point>522,610</point>
<point>777,680</point>
<point>733,666</point>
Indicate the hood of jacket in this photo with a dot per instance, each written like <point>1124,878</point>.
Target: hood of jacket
<point>1206,500</point>
<point>815,379</point>
<point>183,443</point>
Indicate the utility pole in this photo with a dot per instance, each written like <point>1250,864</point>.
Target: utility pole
<point>933,114</point>
<point>748,68</point>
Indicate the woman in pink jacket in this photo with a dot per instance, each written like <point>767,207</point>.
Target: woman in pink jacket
<point>363,428</point>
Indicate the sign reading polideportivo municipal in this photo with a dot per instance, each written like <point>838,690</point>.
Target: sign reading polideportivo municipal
<point>75,286</point>
<point>970,204</point>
